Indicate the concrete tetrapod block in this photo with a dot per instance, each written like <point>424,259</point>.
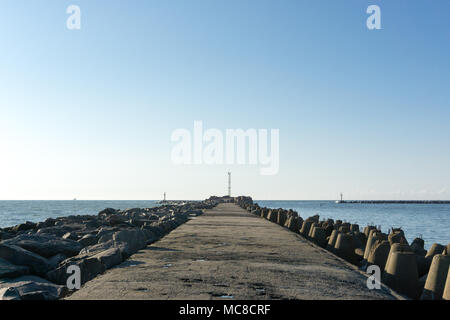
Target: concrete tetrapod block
<point>268,214</point>
<point>345,249</point>
<point>435,249</point>
<point>281,217</point>
<point>304,231</point>
<point>256,212</point>
<point>446,294</point>
<point>272,216</point>
<point>360,240</point>
<point>397,236</point>
<point>332,240</point>
<point>417,247</point>
<point>379,253</point>
<point>292,213</point>
<point>423,264</point>
<point>370,241</point>
<point>299,224</point>
<point>311,229</point>
<point>367,230</point>
<point>401,273</point>
<point>318,237</point>
<point>434,286</point>
<point>288,218</point>
<point>422,281</point>
<point>345,227</point>
<point>419,242</point>
<point>328,230</point>
<point>290,221</point>
<point>360,253</point>
<point>398,247</point>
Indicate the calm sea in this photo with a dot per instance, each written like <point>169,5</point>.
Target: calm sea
<point>429,221</point>
<point>16,212</point>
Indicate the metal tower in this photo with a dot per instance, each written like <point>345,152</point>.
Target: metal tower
<point>229,184</point>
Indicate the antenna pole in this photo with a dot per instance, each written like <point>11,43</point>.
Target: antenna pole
<point>229,184</point>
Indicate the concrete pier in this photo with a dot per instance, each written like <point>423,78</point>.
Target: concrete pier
<point>228,253</point>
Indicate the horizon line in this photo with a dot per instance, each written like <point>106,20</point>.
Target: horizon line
<point>348,200</point>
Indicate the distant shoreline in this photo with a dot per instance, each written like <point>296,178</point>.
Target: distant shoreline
<point>396,201</point>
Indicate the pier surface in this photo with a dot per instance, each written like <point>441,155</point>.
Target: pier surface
<point>229,253</point>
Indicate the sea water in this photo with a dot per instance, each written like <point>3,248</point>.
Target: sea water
<point>16,212</point>
<point>428,221</point>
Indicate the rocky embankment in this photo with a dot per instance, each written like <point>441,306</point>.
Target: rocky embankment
<point>35,257</point>
<point>407,268</point>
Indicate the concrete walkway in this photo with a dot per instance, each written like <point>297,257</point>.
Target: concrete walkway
<point>230,253</point>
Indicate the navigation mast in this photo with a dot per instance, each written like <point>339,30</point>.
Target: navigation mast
<point>229,184</point>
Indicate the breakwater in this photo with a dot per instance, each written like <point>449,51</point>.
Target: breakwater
<point>407,268</point>
<point>396,201</point>
<point>229,253</point>
<point>35,257</point>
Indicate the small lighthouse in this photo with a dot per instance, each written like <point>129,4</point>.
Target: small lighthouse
<point>342,199</point>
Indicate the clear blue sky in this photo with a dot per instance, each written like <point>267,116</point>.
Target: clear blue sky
<point>89,113</point>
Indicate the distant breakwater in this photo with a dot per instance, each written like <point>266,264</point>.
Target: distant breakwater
<point>397,201</point>
<point>36,258</point>
<point>407,268</point>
